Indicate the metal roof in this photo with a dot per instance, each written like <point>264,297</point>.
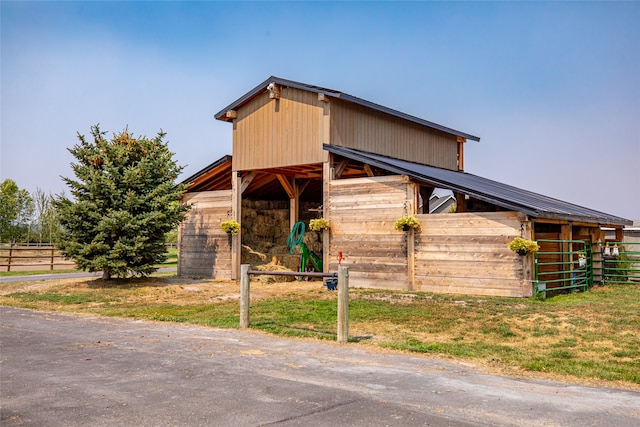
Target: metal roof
<point>220,161</point>
<point>506,196</point>
<point>336,94</point>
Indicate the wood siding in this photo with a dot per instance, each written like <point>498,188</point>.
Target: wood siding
<point>204,249</point>
<point>467,253</point>
<point>362,212</point>
<point>360,128</point>
<point>271,133</point>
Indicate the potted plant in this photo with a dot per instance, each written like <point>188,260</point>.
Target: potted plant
<point>406,223</point>
<point>319,224</point>
<point>231,227</point>
<point>523,246</point>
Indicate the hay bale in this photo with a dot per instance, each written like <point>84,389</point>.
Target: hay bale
<point>274,265</point>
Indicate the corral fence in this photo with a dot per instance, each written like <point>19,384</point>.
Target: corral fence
<point>32,258</point>
<point>620,263</point>
<point>562,265</point>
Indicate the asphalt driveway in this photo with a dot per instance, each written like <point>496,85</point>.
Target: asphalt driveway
<point>66,370</point>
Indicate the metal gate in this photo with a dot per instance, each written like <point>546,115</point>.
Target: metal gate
<point>620,263</point>
<point>562,265</point>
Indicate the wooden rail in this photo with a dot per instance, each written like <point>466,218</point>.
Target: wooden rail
<point>30,258</point>
<point>343,295</point>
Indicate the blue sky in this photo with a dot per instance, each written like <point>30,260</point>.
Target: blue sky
<point>552,88</point>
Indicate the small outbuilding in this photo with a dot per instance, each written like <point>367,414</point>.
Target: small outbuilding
<point>301,152</point>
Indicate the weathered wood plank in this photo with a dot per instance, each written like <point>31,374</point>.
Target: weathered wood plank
<point>512,288</point>
<point>468,256</point>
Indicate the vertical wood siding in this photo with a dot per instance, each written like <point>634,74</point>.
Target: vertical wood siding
<point>362,213</point>
<point>271,133</point>
<point>204,249</point>
<point>357,127</point>
<point>467,253</point>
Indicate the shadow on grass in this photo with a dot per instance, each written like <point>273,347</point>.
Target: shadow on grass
<point>131,283</point>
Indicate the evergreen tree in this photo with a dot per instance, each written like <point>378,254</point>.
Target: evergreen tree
<point>125,201</point>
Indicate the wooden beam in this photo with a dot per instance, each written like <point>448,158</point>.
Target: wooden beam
<point>246,181</point>
<point>323,98</point>
<point>288,186</point>
<point>425,193</point>
<point>294,196</point>
<point>236,214</point>
<point>327,176</point>
<point>368,170</point>
<point>461,202</point>
<point>341,167</point>
<point>231,114</point>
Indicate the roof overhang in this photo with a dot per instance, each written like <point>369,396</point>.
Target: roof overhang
<point>216,176</point>
<point>503,195</point>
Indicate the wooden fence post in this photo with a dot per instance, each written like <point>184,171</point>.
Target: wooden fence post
<point>244,295</point>
<point>10,253</point>
<point>343,304</point>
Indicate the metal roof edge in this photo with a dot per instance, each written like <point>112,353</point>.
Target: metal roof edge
<point>223,159</point>
<point>340,95</point>
<point>603,218</point>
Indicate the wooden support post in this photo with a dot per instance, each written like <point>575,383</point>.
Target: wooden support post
<point>326,214</point>
<point>294,197</point>
<point>461,204</point>
<point>10,254</point>
<point>236,241</point>
<point>528,270</point>
<point>343,304</point>
<point>411,259</point>
<point>461,142</point>
<point>244,295</point>
<point>619,234</point>
<point>566,233</point>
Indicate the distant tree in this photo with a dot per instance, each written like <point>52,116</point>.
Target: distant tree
<point>126,201</point>
<point>45,218</point>
<point>16,208</point>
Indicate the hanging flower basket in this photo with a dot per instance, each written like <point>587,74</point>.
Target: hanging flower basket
<point>407,223</point>
<point>582,259</point>
<point>523,246</point>
<point>231,227</point>
<point>319,224</point>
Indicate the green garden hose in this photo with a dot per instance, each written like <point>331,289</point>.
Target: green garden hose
<point>296,236</point>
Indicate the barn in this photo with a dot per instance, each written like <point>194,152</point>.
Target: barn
<point>302,152</point>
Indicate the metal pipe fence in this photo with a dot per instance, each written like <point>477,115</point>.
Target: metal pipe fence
<point>567,267</point>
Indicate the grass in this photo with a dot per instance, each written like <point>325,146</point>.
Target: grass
<point>581,336</point>
<point>35,272</point>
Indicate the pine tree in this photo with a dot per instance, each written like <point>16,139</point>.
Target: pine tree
<point>125,201</point>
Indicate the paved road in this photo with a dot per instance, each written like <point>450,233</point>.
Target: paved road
<point>60,276</point>
<point>64,370</point>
